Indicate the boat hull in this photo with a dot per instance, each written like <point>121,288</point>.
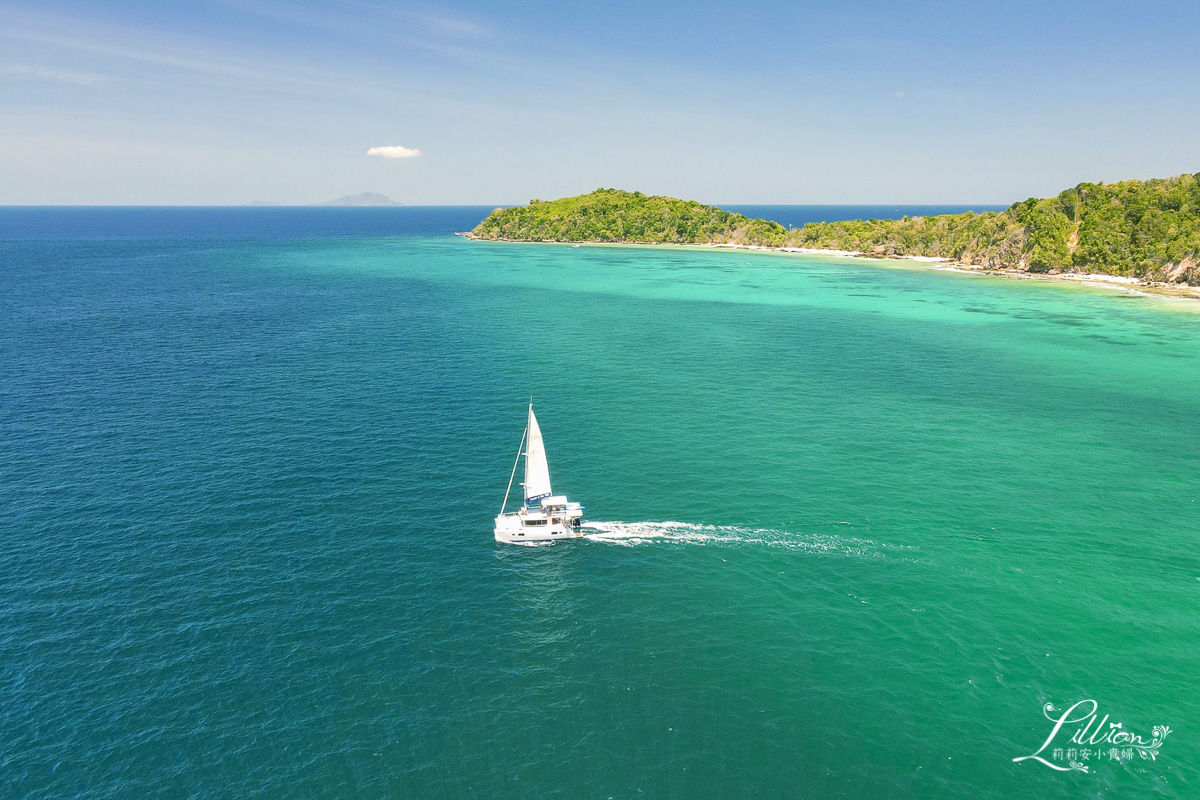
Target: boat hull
<point>511,529</point>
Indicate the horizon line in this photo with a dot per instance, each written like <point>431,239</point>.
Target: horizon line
<point>455,205</point>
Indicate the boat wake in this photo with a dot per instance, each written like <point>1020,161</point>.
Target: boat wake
<point>630,534</point>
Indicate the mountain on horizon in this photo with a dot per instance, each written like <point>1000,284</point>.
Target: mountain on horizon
<point>364,199</point>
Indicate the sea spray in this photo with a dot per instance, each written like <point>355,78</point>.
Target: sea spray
<point>634,533</point>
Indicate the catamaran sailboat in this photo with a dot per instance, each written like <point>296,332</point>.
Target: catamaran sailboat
<point>544,515</point>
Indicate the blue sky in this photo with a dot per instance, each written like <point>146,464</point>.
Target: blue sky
<point>227,101</point>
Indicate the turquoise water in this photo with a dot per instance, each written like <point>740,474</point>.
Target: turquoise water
<point>854,524</point>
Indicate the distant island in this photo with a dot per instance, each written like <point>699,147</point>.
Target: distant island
<point>364,199</point>
<point>611,215</point>
<point>1144,230</point>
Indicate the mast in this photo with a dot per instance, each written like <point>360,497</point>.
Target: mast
<point>514,469</point>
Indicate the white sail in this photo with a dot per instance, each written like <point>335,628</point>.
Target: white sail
<point>537,471</point>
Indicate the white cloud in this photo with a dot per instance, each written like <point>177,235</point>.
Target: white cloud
<point>898,94</point>
<point>46,73</point>
<point>394,151</point>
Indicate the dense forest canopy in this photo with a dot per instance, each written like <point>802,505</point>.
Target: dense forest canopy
<point>1146,229</point>
<point>610,215</point>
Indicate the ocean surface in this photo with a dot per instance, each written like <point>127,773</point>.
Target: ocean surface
<point>853,524</point>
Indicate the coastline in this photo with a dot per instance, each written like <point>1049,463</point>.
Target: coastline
<point>1099,280</point>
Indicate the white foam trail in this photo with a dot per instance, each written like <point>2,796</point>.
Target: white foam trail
<point>630,534</point>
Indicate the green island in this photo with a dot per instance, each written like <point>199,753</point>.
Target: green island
<point>1148,230</point>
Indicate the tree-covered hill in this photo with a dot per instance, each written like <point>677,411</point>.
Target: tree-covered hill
<point>610,215</point>
<point>1145,229</point>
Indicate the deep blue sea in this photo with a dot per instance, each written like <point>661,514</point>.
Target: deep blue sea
<point>858,529</point>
